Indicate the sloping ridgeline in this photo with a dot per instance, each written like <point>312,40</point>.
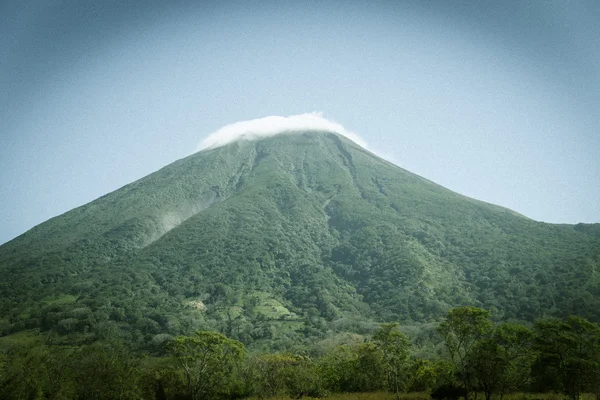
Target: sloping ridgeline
<point>283,239</point>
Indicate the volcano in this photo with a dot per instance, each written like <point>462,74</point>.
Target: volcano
<point>281,239</point>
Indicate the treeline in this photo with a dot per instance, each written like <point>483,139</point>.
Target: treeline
<point>553,355</point>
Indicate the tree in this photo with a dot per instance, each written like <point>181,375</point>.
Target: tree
<point>208,360</point>
<point>35,372</point>
<point>337,368</point>
<point>394,345</point>
<point>368,368</point>
<point>425,375</point>
<point>275,371</point>
<point>488,363</point>
<point>516,344</point>
<point>503,361</point>
<point>568,350</point>
<point>462,329</point>
<point>105,371</point>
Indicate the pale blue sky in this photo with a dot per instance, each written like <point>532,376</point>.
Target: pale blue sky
<point>497,100</point>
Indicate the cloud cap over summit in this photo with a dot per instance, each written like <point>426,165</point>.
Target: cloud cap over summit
<point>274,125</point>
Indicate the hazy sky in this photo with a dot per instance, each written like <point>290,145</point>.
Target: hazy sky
<point>497,100</point>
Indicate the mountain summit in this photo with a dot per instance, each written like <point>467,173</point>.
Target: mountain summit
<point>287,237</point>
<point>276,125</point>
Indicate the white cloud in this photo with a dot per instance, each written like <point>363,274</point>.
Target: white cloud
<point>274,125</point>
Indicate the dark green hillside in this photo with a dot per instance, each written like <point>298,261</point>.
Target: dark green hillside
<point>591,229</point>
<point>283,239</point>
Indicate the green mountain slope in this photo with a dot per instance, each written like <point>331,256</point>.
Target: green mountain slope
<point>284,239</point>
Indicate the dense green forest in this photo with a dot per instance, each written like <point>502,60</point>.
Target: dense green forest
<point>282,241</point>
<point>471,354</point>
<point>296,248</point>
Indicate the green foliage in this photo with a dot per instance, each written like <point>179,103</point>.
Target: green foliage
<point>515,343</point>
<point>282,243</point>
<point>279,243</point>
<point>426,375</point>
<point>105,371</point>
<point>369,370</point>
<point>38,372</point>
<point>569,355</point>
<point>208,359</point>
<point>353,368</point>
<point>559,355</point>
<point>98,371</point>
<point>338,368</point>
<point>502,362</point>
<point>462,331</point>
<point>394,346</point>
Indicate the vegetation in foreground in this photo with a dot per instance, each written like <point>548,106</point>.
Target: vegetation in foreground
<point>561,356</point>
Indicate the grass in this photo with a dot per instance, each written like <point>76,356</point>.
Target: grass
<point>65,299</point>
<point>23,338</point>
<point>344,396</point>
<point>543,396</point>
<point>425,396</point>
<point>273,309</point>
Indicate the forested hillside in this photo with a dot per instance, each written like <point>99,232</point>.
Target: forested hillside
<point>283,241</point>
